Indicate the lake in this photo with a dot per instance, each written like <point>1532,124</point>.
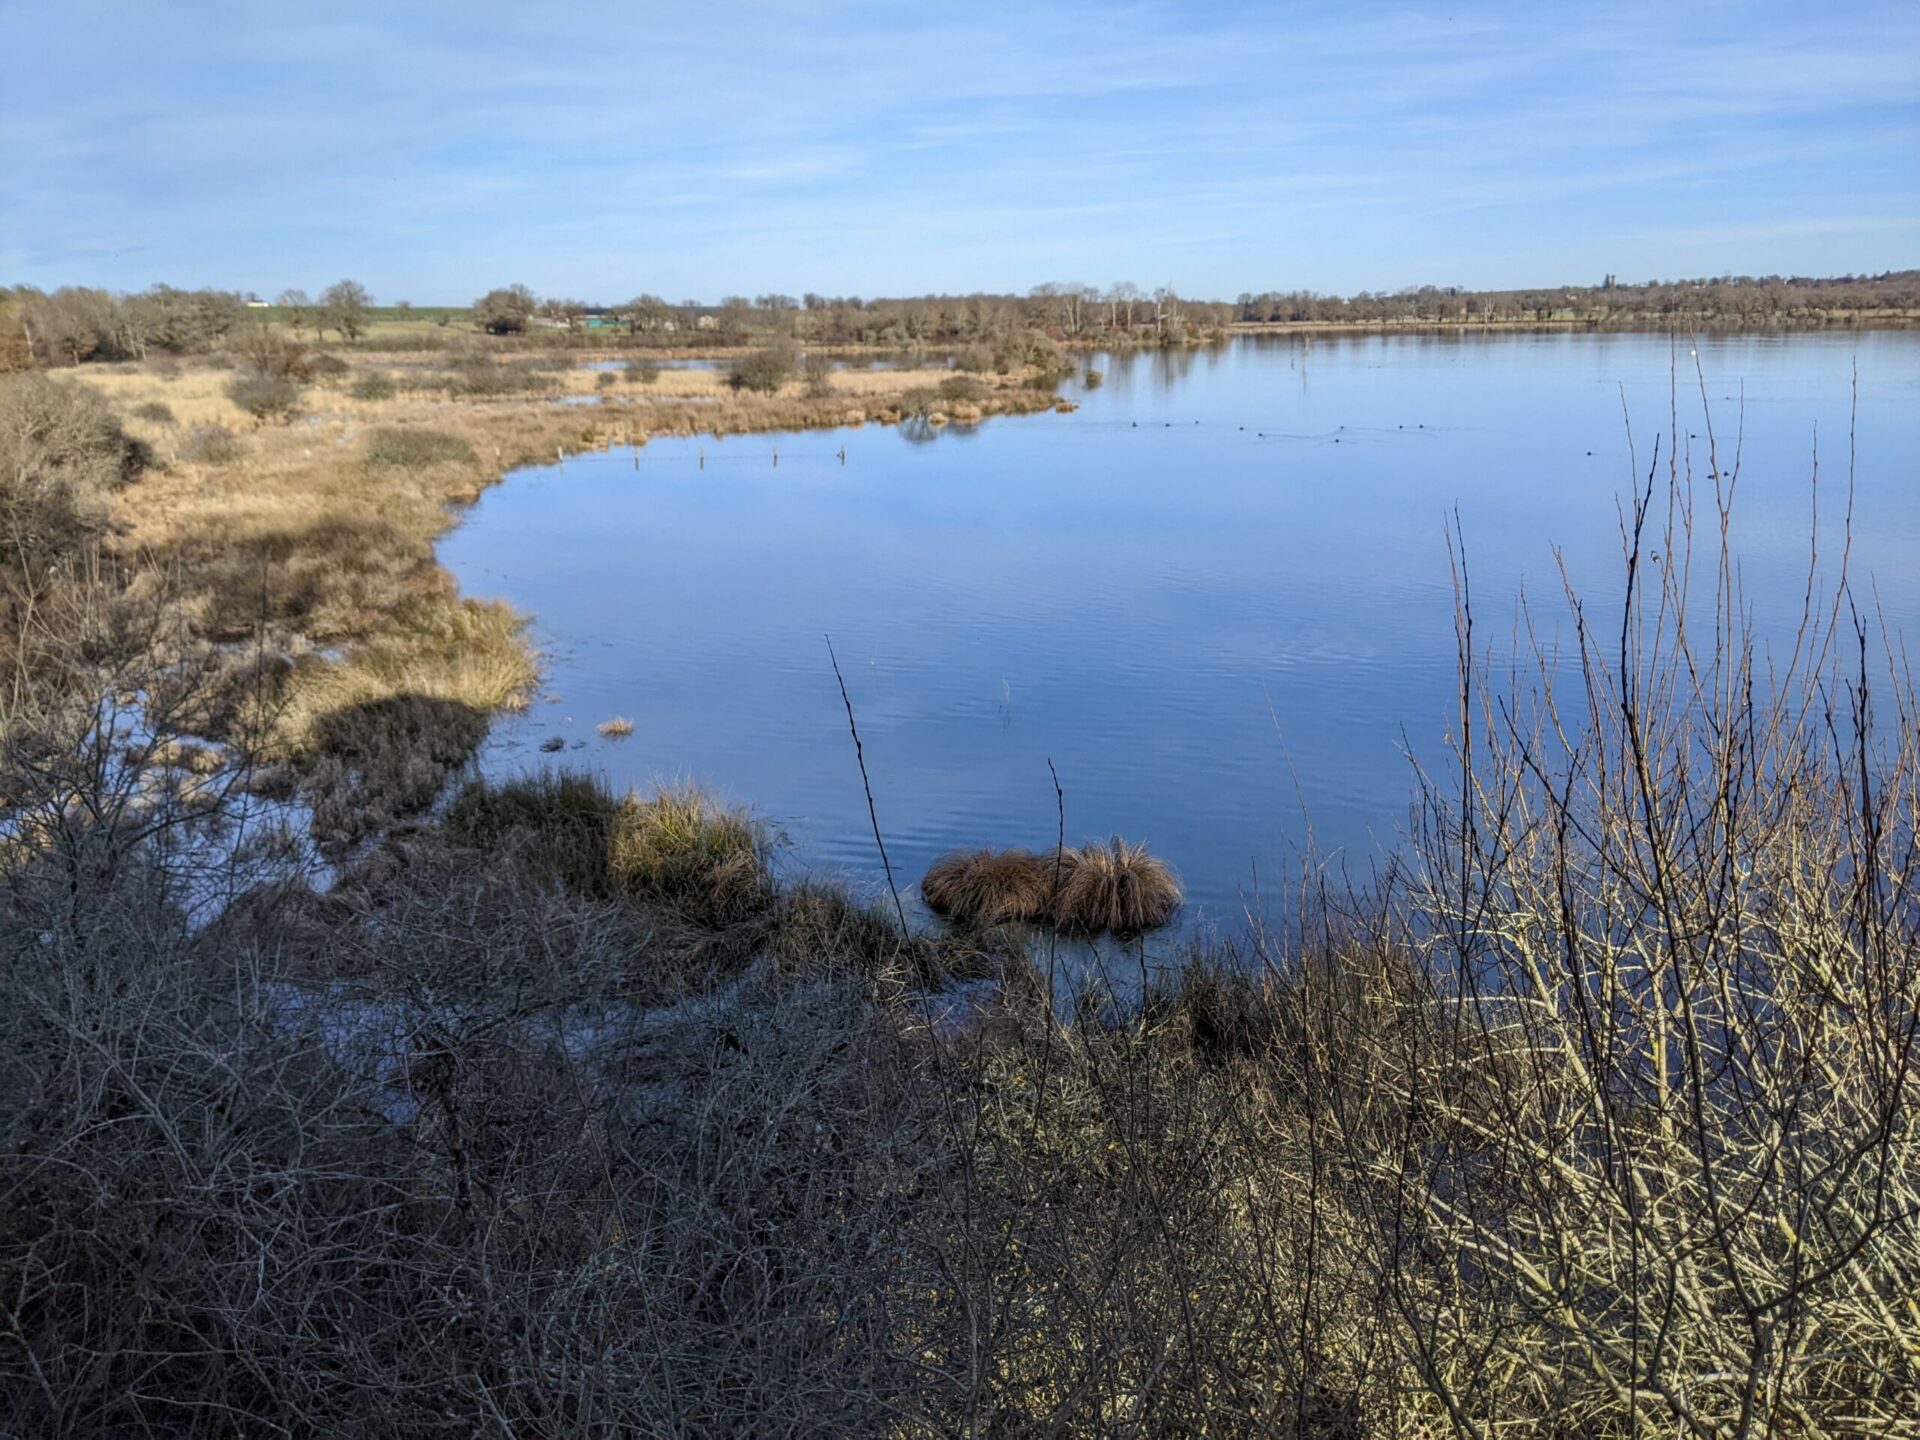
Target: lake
<point>1217,596</point>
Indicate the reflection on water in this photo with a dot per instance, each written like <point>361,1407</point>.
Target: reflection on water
<point>1217,596</point>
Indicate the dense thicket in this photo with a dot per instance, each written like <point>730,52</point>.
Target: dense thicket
<point>62,456</point>
<point>74,324</point>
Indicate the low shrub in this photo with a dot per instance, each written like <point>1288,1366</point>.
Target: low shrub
<point>921,403</point>
<point>643,372</point>
<point>267,351</point>
<point>157,411</point>
<point>764,371</point>
<point>374,385</point>
<point>328,369</point>
<point>479,379</point>
<point>62,455</point>
<point>963,389</point>
<point>818,372</point>
<point>210,445</point>
<point>398,447</point>
<point>265,397</point>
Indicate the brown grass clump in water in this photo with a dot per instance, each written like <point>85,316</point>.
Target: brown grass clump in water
<point>1114,885</point>
<point>989,887</point>
<point>683,850</point>
<point>617,728</point>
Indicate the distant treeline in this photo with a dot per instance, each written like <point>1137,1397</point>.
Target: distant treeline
<point>1066,312</point>
<point>75,324</point>
<point>1735,299</point>
<point>78,323</point>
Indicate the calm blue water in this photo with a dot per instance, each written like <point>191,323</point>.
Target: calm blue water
<point>1217,597</point>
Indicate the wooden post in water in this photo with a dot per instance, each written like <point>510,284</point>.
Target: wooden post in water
<point>776,457</point>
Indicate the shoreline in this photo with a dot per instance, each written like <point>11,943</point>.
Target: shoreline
<point>316,541</point>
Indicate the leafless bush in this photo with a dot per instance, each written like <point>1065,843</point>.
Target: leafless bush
<point>1669,907</point>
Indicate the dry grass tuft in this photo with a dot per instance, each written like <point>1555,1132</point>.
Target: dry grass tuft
<point>1114,885</point>
<point>684,850</point>
<point>393,445</point>
<point>989,887</point>
<point>618,728</point>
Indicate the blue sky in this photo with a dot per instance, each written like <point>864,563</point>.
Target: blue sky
<point>691,150</point>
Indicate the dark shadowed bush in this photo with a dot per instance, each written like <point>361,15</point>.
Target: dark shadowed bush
<point>679,849</point>
<point>158,411</point>
<point>643,372</point>
<point>562,820</point>
<point>62,455</point>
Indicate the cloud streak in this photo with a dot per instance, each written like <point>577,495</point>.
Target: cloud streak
<point>435,150</point>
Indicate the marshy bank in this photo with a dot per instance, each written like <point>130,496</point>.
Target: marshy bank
<point>303,543</point>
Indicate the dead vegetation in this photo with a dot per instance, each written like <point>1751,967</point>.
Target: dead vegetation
<point>1595,1116</point>
<point>989,887</point>
<point>1104,886</point>
<point>1114,885</point>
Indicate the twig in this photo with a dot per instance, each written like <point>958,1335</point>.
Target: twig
<point>859,755</point>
